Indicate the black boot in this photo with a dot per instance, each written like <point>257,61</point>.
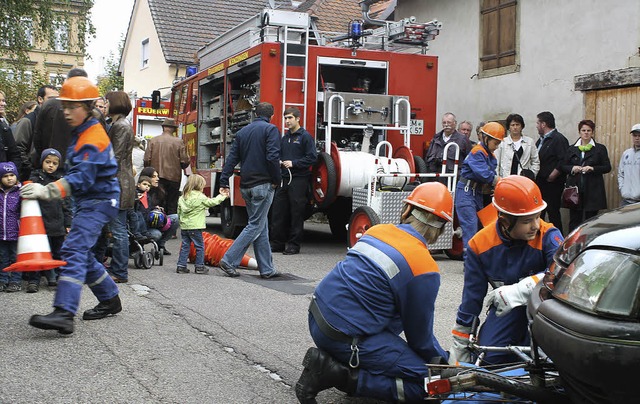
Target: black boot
<point>103,309</point>
<point>321,372</point>
<point>60,320</point>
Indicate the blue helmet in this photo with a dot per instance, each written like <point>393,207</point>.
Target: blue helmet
<point>157,219</point>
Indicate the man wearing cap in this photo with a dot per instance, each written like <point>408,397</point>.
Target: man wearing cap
<point>629,170</point>
<point>167,154</point>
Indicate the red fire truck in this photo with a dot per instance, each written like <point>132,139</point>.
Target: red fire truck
<point>364,91</point>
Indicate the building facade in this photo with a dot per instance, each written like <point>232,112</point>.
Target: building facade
<point>578,59</point>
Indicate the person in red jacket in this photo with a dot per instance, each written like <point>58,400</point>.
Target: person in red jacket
<point>386,285</point>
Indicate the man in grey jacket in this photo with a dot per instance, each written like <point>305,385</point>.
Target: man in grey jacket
<point>629,170</point>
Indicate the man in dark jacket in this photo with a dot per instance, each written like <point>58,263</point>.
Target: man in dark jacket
<point>257,148</point>
<point>552,147</point>
<point>24,132</point>
<point>448,134</point>
<point>51,129</point>
<point>298,153</point>
<point>8,150</point>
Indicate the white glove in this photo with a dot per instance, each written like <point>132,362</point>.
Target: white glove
<point>459,351</point>
<point>54,190</point>
<point>507,297</point>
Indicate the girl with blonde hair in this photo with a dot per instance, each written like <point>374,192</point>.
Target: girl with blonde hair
<point>193,206</point>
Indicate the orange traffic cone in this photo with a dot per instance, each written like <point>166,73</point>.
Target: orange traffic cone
<point>34,252</point>
<point>215,248</point>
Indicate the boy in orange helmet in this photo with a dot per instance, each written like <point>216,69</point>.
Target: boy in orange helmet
<point>387,284</point>
<point>511,255</point>
<point>91,178</point>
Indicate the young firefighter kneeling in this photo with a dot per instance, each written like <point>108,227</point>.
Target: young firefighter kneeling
<point>387,284</point>
<point>511,255</point>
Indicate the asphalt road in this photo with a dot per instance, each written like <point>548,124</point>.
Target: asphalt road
<point>186,338</point>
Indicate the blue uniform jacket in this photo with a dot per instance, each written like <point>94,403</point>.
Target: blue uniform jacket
<point>257,148</point>
<point>480,165</point>
<point>388,281</point>
<point>492,258</point>
<point>91,165</point>
<point>300,148</point>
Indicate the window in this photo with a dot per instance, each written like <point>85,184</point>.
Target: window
<point>61,37</point>
<point>145,53</point>
<point>56,79</point>
<point>28,30</point>
<point>498,27</point>
<point>183,99</point>
<point>8,74</point>
<point>194,96</point>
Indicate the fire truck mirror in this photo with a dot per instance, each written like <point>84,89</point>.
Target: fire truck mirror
<point>155,99</point>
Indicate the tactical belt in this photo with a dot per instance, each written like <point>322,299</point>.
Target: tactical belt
<point>333,333</point>
<point>468,183</point>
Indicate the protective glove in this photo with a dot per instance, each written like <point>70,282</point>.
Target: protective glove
<point>507,297</point>
<point>54,190</point>
<point>459,351</point>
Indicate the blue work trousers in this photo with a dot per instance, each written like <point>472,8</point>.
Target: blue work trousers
<point>389,369</point>
<point>510,329</point>
<point>82,266</point>
<point>258,200</point>
<point>469,200</point>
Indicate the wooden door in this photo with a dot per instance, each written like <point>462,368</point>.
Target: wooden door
<point>614,112</point>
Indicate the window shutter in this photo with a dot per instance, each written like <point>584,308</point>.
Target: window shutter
<point>498,24</point>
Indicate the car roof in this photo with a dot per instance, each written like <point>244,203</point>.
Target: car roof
<point>619,229</point>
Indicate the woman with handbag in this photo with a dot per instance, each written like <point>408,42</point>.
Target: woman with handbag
<point>517,154</point>
<point>585,163</point>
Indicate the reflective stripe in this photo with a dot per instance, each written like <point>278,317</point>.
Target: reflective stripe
<point>33,243</point>
<point>460,334</point>
<point>400,390</point>
<point>379,257</point>
<point>100,279</point>
<point>70,279</point>
<point>415,253</point>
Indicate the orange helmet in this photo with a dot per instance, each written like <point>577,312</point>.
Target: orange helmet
<point>518,196</point>
<point>78,89</point>
<point>494,130</point>
<point>433,197</point>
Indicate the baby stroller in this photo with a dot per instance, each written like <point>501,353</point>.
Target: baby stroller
<point>141,257</point>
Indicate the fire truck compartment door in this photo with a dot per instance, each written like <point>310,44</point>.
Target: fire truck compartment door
<point>359,108</point>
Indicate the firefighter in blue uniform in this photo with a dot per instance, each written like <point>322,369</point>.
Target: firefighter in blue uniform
<point>478,170</point>
<point>387,284</point>
<point>91,178</point>
<point>511,255</point>
<point>298,153</point>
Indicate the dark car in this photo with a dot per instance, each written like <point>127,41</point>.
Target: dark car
<point>586,312</point>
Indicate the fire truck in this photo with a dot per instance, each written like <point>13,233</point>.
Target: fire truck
<point>368,97</point>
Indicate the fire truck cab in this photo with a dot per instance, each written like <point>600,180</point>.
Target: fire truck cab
<point>147,120</point>
<point>367,97</point>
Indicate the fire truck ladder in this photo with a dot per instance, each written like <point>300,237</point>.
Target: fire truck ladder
<point>287,79</point>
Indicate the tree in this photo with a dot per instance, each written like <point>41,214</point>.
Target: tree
<point>29,22</point>
<point>27,25</point>
<point>110,79</point>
